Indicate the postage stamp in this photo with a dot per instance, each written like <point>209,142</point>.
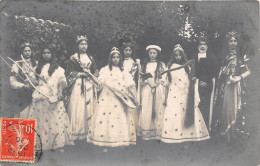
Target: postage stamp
<point>18,139</point>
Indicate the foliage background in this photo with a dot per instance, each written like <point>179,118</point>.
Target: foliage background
<point>149,23</point>
<point>108,24</point>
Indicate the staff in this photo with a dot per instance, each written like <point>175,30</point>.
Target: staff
<point>177,68</point>
<point>128,100</point>
<point>51,100</point>
<point>11,68</point>
<point>33,70</point>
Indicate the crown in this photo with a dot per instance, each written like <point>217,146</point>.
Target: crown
<point>114,50</point>
<point>232,34</point>
<point>177,47</point>
<point>153,47</point>
<point>81,38</point>
<point>25,44</point>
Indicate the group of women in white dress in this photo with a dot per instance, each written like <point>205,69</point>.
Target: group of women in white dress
<point>113,106</point>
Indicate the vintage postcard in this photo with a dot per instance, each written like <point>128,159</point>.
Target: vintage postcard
<point>129,83</point>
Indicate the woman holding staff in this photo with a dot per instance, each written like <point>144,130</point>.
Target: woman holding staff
<point>81,89</point>
<point>230,87</point>
<point>113,122</point>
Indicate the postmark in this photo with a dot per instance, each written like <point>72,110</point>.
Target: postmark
<point>19,141</point>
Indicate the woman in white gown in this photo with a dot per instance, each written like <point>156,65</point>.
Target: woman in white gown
<point>47,108</point>
<point>112,124</point>
<point>81,90</point>
<point>182,119</point>
<point>130,64</point>
<point>153,94</point>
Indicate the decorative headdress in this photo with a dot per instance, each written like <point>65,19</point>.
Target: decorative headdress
<point>153,47</point>
<point>114,50</point>
<point>203,37</point>
<point>128,44</point>
<point>25,44</point>
<point>81,38</point>
<point>177,48</point>
<point>232,34</point>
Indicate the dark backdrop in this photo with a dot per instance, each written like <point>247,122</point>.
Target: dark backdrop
<point>108,24</point>
<point>147,23</point>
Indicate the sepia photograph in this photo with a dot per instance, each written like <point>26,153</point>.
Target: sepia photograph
<point>118,83</point>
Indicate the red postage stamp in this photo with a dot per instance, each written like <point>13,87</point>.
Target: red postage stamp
<point>17,140</point>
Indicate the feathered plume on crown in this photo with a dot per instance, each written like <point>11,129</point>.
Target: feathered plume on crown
<point>177,47</point>
<point>114,50</point>
<point>81,38</point>
<point>25,44</point>
<point>232,34</point>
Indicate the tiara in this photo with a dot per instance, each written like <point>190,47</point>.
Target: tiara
<point>81,38</point>
<point>25,44</point>
<point>153,47</point>
<point>177,47</point>
<point>232,34</point>
<point>114,50</point>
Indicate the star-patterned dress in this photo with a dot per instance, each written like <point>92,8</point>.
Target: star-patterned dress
<point>112,124</point>
<point>53,123</point>
<point>174,129</point>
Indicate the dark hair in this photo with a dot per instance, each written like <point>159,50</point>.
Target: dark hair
<point>226,50</point>
<point>53,62</point>
<point>33,60</point>
<point>78,42</point>
<point>158,60</point>
<point>130,45</point>
<point>172,60</point>
<point>23,47</point>
<point>120,62</point>
<point>202,39</point>
<point>78,45</point>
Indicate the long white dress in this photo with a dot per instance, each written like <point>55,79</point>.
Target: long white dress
<point>53,123</point>
<point>129,66</point>
<point>150,117</point>
<point>173,127</point>
<point>81,105</point>
<point>112,125</point>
